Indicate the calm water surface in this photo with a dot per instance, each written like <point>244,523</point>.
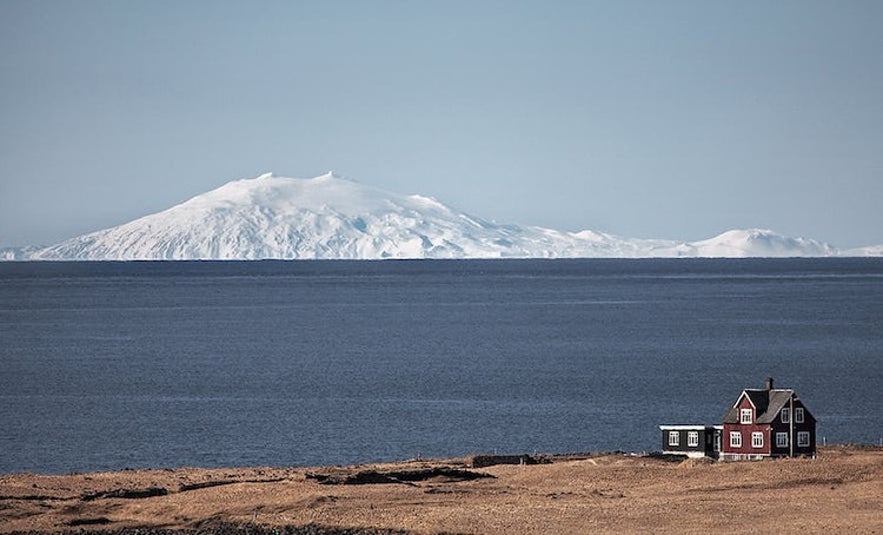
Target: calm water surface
<point>112,365</point>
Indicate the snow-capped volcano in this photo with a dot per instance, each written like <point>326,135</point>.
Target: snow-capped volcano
<point>325,217</point>
<point>329,217</point>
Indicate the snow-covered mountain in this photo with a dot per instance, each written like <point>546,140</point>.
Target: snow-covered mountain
<point>329,217</point>
<point>757,242</point>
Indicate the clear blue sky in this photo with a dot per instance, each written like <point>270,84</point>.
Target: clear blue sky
<point>645,119</point>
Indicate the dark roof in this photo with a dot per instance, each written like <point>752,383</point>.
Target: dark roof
<point>767,402</point>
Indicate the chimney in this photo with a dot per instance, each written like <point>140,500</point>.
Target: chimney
<point>769,383</point>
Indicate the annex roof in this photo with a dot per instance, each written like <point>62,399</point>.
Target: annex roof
<point>689,427</point>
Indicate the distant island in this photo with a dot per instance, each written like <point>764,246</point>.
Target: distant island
<point>330,217</point>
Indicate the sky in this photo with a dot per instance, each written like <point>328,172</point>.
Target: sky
<point>676,119</point>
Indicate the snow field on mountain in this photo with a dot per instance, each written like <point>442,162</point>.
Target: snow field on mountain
<point>329,217</point>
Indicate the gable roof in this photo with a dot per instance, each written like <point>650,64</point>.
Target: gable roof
<point>768,403</point>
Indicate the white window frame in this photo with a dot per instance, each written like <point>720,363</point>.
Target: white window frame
<point>692,439</point>
<point>786,415</point>
<point>745,416</point>
<point>781,440</point>
<point>756,439</point>
<point>735,439</point>
<point>674,438</point>
<point>803,439</point>
<point>798,415</point>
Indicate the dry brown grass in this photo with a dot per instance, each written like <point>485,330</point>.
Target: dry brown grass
<point>840,491</point>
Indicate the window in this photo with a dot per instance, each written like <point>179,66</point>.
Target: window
<point>786,415</point>
<point>735,439</point>
<point>692,438</point>
<point>781,440</point>
<point>803,439</point>
<point>756,440</point>
<point>674,438</point>
<point>798,415</point>
<point>745,416</point>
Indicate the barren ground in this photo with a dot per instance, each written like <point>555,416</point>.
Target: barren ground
<point>841,491</point>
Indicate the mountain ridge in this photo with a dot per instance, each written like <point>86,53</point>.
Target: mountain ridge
<point>332,217</point>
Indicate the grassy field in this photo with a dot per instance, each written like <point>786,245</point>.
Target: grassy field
<point>840,491</point>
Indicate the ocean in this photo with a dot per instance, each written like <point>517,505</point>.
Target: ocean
<point>111,365</point>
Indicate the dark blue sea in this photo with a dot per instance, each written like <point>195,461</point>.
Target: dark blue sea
<point>108,365</point>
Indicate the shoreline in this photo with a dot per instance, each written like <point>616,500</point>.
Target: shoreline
<point>842,489</point>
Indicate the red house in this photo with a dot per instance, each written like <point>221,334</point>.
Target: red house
<point>768,422</point>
